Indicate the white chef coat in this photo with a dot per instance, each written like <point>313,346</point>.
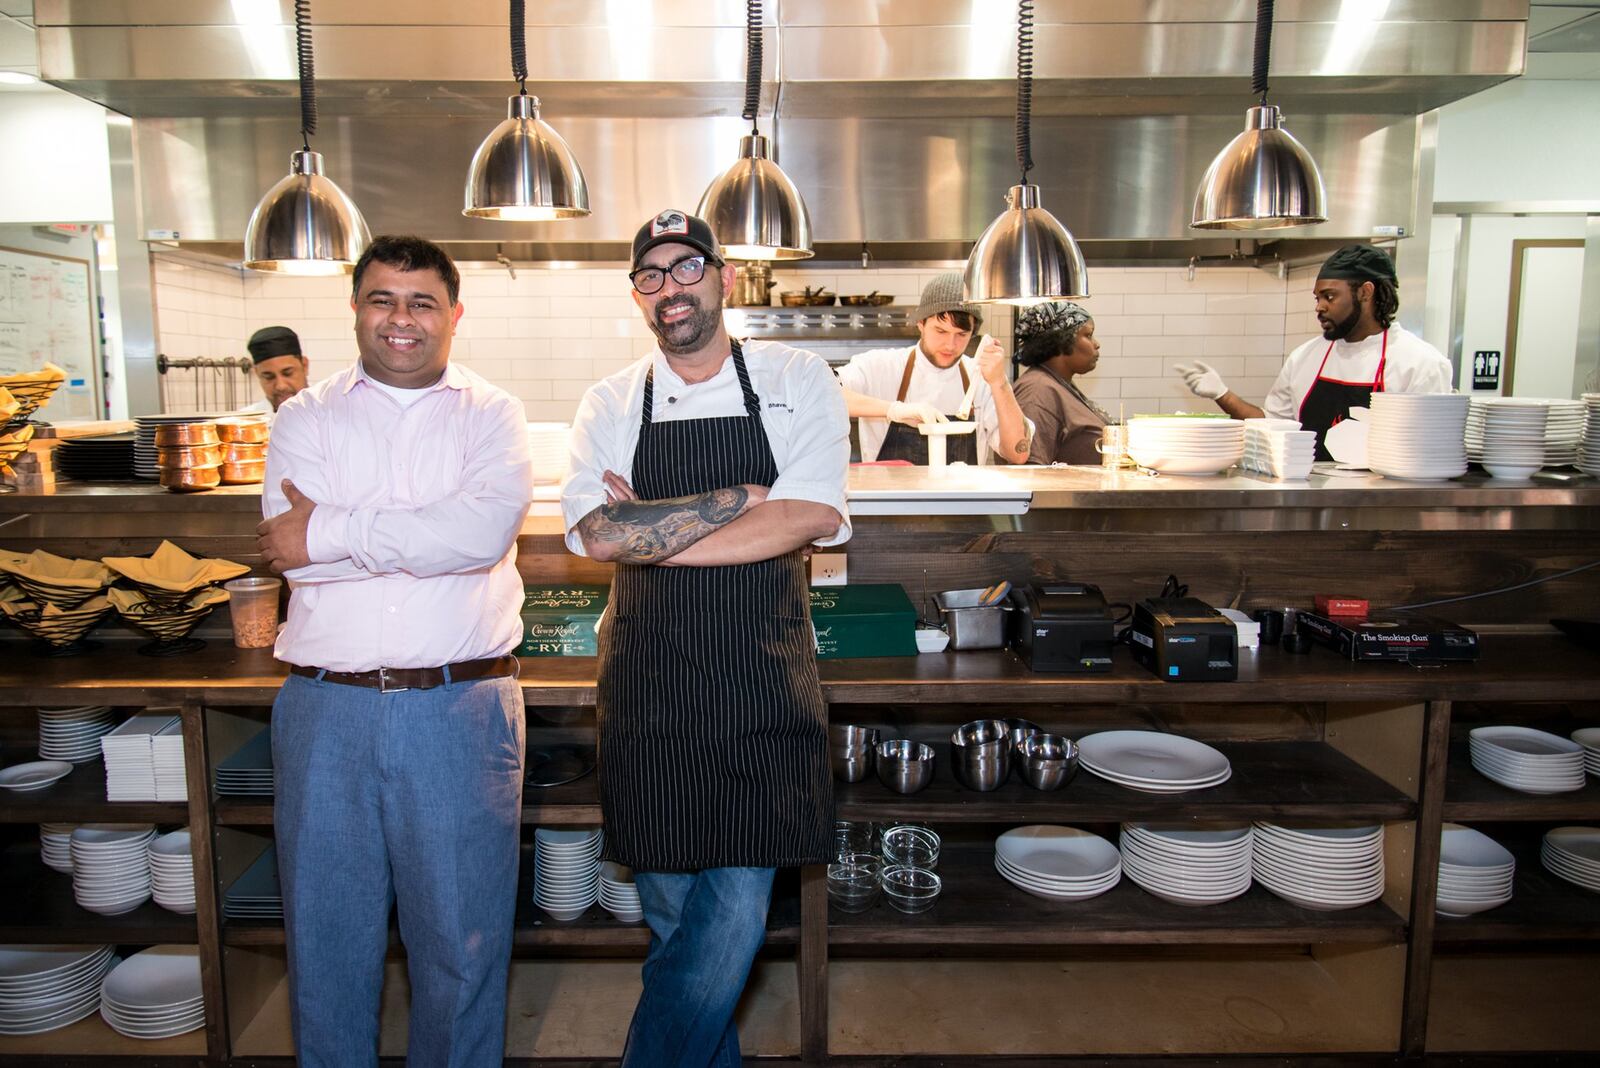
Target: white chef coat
<point>1410,365</point>
<point>260,407</point>
<point>877,373</point>
<point>802,411</point>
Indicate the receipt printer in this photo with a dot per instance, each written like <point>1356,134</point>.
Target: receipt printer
<point>1063,626</point>
<point>1183,639</point>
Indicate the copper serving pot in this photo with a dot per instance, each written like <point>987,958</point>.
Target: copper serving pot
<point>244,430</point>
<point>193,456</point>
<point>169,435</point>
<point>234,452</point>
<point>192,478</point>
<point>244,473</point>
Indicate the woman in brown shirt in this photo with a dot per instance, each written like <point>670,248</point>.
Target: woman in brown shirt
<point>1055,342</point>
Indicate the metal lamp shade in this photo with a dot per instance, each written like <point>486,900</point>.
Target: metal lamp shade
<point>1025,257</point>
<point>1264,179</point>
<point>305,224</point>
<point>524,171</point>
<point>755,210</point>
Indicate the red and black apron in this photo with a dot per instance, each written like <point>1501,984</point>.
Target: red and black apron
<point>713,733</point>
<point>904,442</point>
<point>1329,400</point>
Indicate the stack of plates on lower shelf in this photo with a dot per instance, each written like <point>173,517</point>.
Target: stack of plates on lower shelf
<point>1417,435</point>
<point>1507,435</point>
<point>1185,445</point>
<point>1152,761</point>
<point>166,754</point>
<point>1322,866</point>
<point>248,772</point>
<point>1589,738</point>
<point>256,894</point>
<point>566,870</point>
<point>172,872</point>
<point>1589,441</point>
<point>1057,863</point>
<point>73,734</point>
<point>33,775</point>
<point>1188,864</point>
<point>1279,448</point>
<point>111,866</point>
<point>55,846</point>
<point>46,987</point>
<point>130,752</point>
<point>1476,873</point>
<point>1534,762</point>
<point>618,893</point>
<point>155,993</point>
<point>1573,853</point>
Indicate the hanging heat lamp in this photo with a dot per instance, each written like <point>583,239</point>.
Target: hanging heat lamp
<point>1263,179</point>
<point>754,209</point>
<point>305,224</point>
<point>524,170</point>
<point>1025,256</point>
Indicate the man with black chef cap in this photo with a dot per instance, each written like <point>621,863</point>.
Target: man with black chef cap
<point>279,365</point>
<point>1366,352</point>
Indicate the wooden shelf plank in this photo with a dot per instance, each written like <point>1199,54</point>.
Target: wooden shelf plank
<point>977,907</point>
<point>1543,907</point>
<point>1471,795</point>
<point>40,910</point>
<point>81,798</point>
<point>1300,780</point>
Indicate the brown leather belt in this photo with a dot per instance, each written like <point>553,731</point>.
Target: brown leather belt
<point>393,680</point>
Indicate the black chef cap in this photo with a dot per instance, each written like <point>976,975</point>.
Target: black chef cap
<point>271,342</point>
<point>1360,263</point>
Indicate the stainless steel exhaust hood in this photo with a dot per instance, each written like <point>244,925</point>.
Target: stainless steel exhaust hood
<point>895,115</point>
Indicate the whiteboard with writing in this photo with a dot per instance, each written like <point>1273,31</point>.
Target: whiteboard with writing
<point>47,315</point>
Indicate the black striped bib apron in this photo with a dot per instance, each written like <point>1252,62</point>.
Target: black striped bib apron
<point>713,734</point>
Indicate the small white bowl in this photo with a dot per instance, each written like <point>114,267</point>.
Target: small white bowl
<point>930,640</point>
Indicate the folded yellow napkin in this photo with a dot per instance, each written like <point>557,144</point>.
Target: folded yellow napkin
<point>135,603</point>
<point>52,570</point>
<point>48,373</point>
<point>9,405</point>
<point>170,568</point>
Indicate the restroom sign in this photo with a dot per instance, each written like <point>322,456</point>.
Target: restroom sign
<point>1486,370</point>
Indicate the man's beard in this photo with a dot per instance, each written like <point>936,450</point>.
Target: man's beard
<point>1340,330</point>
<point>689,334</point>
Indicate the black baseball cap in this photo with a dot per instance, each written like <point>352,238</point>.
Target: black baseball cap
<point>1359,263</point>
<point>680,228</point>
<point>271,342</point>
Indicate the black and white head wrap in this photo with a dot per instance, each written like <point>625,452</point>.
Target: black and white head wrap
<point>1047,330</point>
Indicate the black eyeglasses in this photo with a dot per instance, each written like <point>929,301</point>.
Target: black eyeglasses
<point>685,272</point>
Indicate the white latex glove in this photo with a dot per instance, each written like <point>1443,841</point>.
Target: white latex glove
<point>991,362</point>
<point>914,412</point>
<point>1202,379</point>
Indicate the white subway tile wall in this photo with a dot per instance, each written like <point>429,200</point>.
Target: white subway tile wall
<point>545,335</point>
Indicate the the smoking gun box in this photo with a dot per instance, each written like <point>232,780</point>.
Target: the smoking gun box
<point>560,621</point>
<point>1391,637</point>
<point>872,619</point>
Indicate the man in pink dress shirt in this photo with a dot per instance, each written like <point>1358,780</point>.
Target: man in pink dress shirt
<point>395,492</point>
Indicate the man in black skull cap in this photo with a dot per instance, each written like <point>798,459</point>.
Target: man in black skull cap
<point>1362,351</point>
<point>280,366</point>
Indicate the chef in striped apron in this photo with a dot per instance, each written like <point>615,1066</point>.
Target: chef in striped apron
<point>702,471</point>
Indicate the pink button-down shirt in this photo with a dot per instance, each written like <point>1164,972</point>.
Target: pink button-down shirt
<point>413,541</point>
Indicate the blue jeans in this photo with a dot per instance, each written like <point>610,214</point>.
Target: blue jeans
<point>411,798</point>
<point>705,929</point>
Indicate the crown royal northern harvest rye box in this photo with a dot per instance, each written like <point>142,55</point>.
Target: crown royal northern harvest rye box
<point>863,620</point>
<point>561,621</point>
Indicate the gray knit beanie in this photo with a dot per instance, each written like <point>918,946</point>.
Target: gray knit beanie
<point>944,294</point>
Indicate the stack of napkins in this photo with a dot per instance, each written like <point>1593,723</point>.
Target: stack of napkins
<point>166,747</point>
<point>130,755</point>
<point>1279,448</point>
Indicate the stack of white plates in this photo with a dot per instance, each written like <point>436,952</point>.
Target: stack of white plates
<point>1417,435</point>
<point>618,893</point>
<point>131,761</point>
<point>1573,853</point>
<point>46,987</point>
<point>566,870</point>
<point>1321,866</point>
<point>111,866</point>
<point>548,444</point>
<point>1535,762</point>
<point>1475,872</point>
<point>1154,762</point>
<point>155,993</point>
<point>1507,435</point>
<point>73,734</point>
<point>166,756</point>
<point>1278,448</point>
<point>172,872</point>
<point>55,845</point>
<point>1185,445</point>
<point>1589,442</point>
<point>1186,864</point>
<point>1057,863</point>
<point>1563,428</point>
<point>1589,738</point>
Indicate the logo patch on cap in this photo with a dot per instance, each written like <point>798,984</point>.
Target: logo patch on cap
<point>669,222</point>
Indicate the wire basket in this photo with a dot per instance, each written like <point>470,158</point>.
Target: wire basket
<point>62,633</point>
<point>169,625</point>
<point>66,597</point>
<point>31,396</point>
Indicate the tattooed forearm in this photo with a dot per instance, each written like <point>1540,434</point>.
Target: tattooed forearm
<point>648,532</point>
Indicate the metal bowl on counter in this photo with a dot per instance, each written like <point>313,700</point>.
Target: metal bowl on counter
<point>244,473</point>
<point>170,435</point>
<point>243,431</point>
<point>194,456</point>
<point>970,625</point>
<point>980,754</point>
<point>851,751</point>
<point>1047,761</point>
<point>904,766</point>
<point>1020,729</point>
<point>189,479</point>
<point>235,452</point>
